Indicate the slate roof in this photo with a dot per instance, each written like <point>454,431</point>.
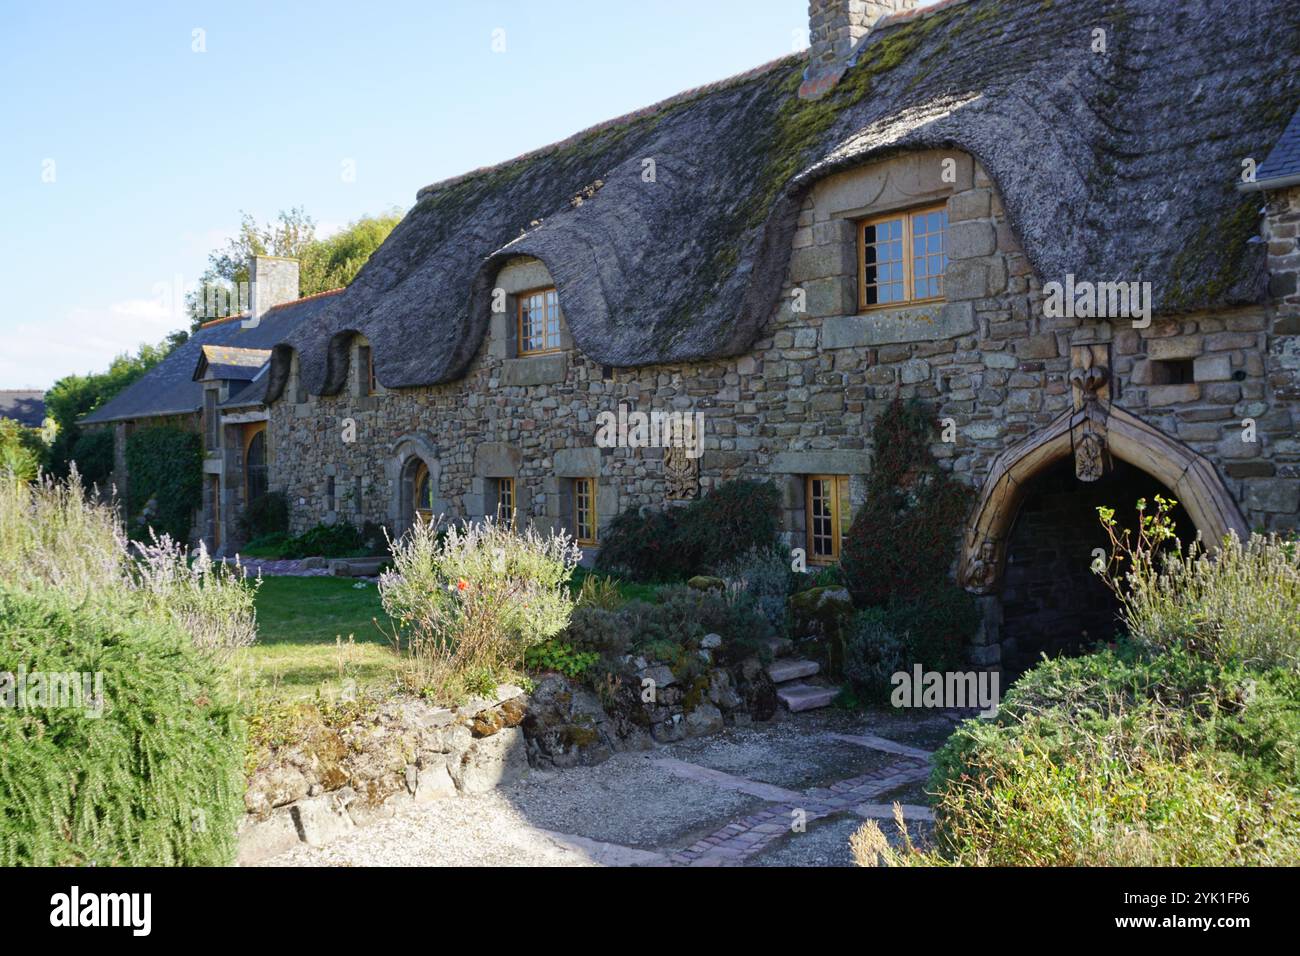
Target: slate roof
<point>1282,167</point>
<point>169,388</point>
<point>23,406</point>
<point>1120,165</point>
<point>230,363</point>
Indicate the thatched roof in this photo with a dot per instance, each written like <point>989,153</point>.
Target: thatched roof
<point>1114,165</point>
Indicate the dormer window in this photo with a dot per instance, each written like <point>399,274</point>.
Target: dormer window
<point>902,257</point>
<point>365,380</point>
<point>539,322</point>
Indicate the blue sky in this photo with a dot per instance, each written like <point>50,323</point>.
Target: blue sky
<point>128,156</point>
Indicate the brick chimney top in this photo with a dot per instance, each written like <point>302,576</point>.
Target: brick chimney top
<point>834,29</point>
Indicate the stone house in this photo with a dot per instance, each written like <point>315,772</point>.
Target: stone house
<point>212,384</point>
<point>1070,226</point>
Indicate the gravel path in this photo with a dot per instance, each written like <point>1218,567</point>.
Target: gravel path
<point>651,808</point>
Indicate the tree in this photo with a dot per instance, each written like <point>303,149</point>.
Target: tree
<point>75,396</point>
<point>324,264</point>
<point>289,236</point>
<point>334,262</point>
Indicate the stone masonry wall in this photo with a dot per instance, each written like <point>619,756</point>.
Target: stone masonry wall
<point>802,401</point>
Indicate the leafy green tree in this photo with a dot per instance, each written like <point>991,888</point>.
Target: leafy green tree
<point>334,262</point>
<point>289,236</point>
<point>22,452</point>
<point>324,264</point>
<point>75,396</point>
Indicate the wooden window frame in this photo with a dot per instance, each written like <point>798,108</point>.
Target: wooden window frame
<point>578,508</point>
<point>840,512</point>
<point>909,278</point>
<point>249,436</point>
<point>506,485</point>
<point>424,514</point>
<point>372,383</point>
<point>520,340</point>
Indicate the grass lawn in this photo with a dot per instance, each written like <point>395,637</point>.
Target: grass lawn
<point>303,626</point>
<point>300,622</point>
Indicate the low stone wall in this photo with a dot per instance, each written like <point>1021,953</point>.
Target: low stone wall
<point>407,751</point>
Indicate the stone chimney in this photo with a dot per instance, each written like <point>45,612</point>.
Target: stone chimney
<point>274,281</point>
<point>834,29</point>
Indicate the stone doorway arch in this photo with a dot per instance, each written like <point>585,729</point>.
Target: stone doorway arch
<point>1191,478</point>
<point>413,460</point>
<point>1111,431</point>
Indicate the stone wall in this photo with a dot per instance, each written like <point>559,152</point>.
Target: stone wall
<point>803,399</point>
<point>404,751</point>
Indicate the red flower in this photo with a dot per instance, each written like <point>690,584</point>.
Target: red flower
<point>462,584</point>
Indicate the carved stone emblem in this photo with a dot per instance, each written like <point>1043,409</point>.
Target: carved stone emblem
<point>982,566</point>
<point>1089,456</point>
<point>1090,381</point>
<point>682,474</point>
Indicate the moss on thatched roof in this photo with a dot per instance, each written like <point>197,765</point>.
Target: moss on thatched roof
<point>1114,165</point>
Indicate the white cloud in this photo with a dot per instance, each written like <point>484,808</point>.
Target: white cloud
<point>85,339</point>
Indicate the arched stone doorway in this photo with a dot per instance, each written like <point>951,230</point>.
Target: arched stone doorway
<point>414,473</point>
<point>1032,494</point>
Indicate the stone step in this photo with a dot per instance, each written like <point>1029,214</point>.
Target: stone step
<point>799,697</point>
<point>792,668</point>
<point>780,646</point>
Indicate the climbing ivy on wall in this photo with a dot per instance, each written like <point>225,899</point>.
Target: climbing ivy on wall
<point>165,469</point>
<point>902,542</point>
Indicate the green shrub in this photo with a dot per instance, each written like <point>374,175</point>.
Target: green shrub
<point>1124,757</point>
<point>645,546</point>
<point>1241,603</point>
<point>266,515</point>
<point>884,641</point>
<point>679,619</point>
<point>21,451</point>
<point>732,519</point>
<point>154,780</point>
<point>873,654</point>
<point>553,655</point>
<point>765,575</point>
<point>268,546</point>
<point>52,536</point>
<point>470,601</point>
<point>93,454</point>
<point>903,539</point>
<point>166,468</point>
<point>339,540</point>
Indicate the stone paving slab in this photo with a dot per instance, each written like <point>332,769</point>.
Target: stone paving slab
<point>626,800</point>
<point>635,810</point>
<point>792,756</point>
<point>880,743</point>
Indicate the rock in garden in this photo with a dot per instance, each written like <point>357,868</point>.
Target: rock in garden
<point>705,719</point>
<point>821,611</point>
<point>491,762</point>
<point>321,820</point>
<point>434,782</point>
<point>275,787</point>
<point>703,582</point>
